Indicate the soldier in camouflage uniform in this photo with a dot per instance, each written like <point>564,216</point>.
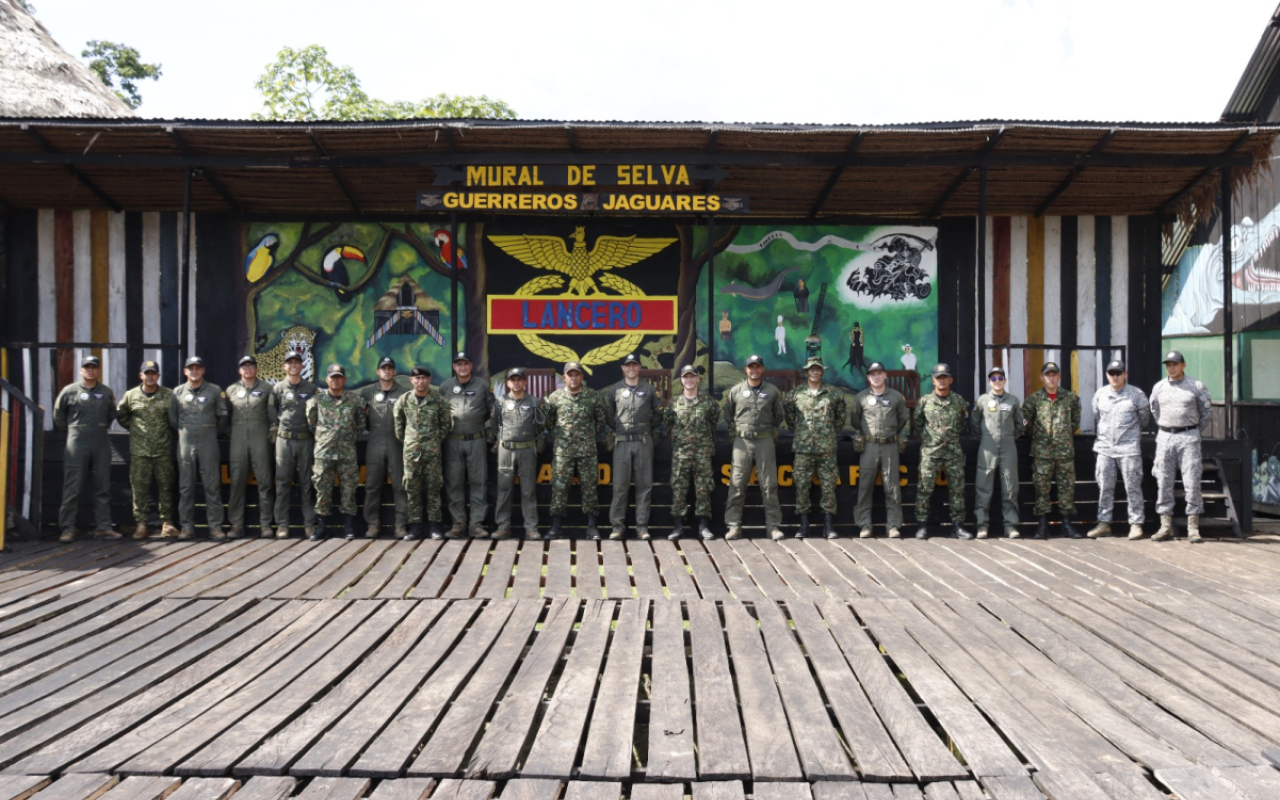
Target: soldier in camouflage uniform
<point>816,412</point>
<point>941,416</point>
<point>144,413</point>
<point>252,418</point>
<point>295,451</point>
<point>383,457</point>
<point>466,460</point>
<point>634,410</point>
<point>753,410</point>
<point>1053,415</point>
<point>1181,407</point>
<point>517,427</point>
<point>997,422</point>
<point>691,419</point>
<point>336,418</point>
<point>423,420</point>
<point>85,410</point>
<point>200,414</point>
<point>578,415</point>
<point>880,418</point>
<point>1122,412</point>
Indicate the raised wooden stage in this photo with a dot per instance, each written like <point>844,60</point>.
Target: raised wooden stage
<point>264,669</point>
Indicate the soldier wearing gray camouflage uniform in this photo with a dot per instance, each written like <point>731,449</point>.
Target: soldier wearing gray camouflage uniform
<point>634,411</point>
<point>1122,411</point>
<point>941,416</point>
<point>423,421</point>
<point>383,457</point>
<point>517,424</point>
<point>1053,417</point>
<point>336,418</point>
<point>1181,407</point>
<point>816,412</point>
<point>252,418</point>
<point>753,410</point>
<point>85,410</point>
<point>144,413</point>
<point>578,415</point>
<point>199,413</point>
<point>690,419</point>
<point>997,422</point>
<point>880,419</point>
<point>466,457</point>
<point>295,451</point>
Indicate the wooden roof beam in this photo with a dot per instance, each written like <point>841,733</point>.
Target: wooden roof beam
<point>936,208</point>
<point>835,175</point>
<point>712,137</point>
<point>333,170</point>
<point>1186,190</point>
<point>209,178</point>
<point>75,173</point>
<point>1075,173</point>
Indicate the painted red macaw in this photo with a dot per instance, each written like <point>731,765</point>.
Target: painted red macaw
<point>445,242</point>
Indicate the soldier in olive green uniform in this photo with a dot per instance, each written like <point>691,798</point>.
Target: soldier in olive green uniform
<point>691,419</point>
<point>634,410</point>
<point>816,412</point>
<point>466,457</point>
<point>517,426</point>
<point>997,422</point>
<point>880,418</point>
<point>423,421</point>
<point>1053,415</point>
<point>199,414</point>
<point>337,418</point>
<point>252,418</point>
<point>295,452</point>
<point>941,416</point>
<point>85,410</point>
<point>144,413</point>
<point>383,457</point>
<point>577,415</point>
<point>753,410</point>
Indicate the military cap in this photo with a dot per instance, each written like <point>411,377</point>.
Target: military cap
<point>292,354</point>
<point>90,361</point>
<point>420,371</point>
<point>461,355</point>
<point>997,369</point>
<point>688,369</point>
<point>1049,366</point>
<point>194,361</point>
<point>814,362</point>
<point>387,361</point>
<point>631,358</point>
<point>248,360</point>
<point>516,372</point>
<point>1116,366</point>
<point>571,366</point>
<point>149,366</point>
<point>336,369</point>
<point>876,366</point>
<point>940,370</point>
<point>754,359</point>
<point>1175,357</point>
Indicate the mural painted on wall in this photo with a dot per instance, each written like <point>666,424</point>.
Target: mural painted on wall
<point>350,293</point>
<point>854,295</point>
<point>1266,478</point>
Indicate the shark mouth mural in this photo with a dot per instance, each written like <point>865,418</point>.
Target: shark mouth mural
<point>1199,290</point>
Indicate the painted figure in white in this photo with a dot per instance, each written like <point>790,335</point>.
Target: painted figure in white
<point>908,358</point>
<point>780,333</point>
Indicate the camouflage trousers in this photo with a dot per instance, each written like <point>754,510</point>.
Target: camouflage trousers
<point>1178,452</point>
<point>424,474</point>
<point>881,458</point>
<point>823,467</point>
<point>562,469</point>
<point>1047,473</point>
<point>1130,469</point>
<point>347,471</point>
<point>932,466</point>
<point>142,471</point>
<point>695,469</point>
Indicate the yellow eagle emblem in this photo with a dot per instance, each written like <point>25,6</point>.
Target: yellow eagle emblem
<point>551,253</point>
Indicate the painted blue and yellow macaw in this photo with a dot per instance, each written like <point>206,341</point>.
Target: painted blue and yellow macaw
<point>261,258</point>
<point>335,271</point>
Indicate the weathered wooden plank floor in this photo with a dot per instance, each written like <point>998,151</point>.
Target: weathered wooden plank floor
<point>264,669</point>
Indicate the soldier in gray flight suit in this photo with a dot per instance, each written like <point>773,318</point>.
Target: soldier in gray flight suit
<point>753,410</point>
<point>384,455</point>
<point>252,418</point>
<point>295,446</point>
<point>997,422</point>
<point>466,457</point>
<point>200,415</point>
<point>85,410</point>
<point>518,426</point>
<point>880,419</point>
<point>633,409</point>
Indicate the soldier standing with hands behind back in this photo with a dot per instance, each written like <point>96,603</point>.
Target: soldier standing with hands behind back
<point>252,418</point>
<point>466,457</point>
<point>200,414</point>
<point>518,430</point>
<point>144,413</point>
<point>633,409</point>
<point>423,421</point>
<point>816,412</point>
<point>941,416</point>
<point>577,415</point>
<point>1053,415</point>
<point>879,417</point>
<point>85,410</point>
<point>1181,407</point>
<point>383,456</point>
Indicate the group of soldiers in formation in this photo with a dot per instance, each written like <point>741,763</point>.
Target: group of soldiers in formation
<point>426,439</point>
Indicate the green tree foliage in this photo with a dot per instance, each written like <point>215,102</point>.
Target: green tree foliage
<point>112,61</point>
<point>304,84</point>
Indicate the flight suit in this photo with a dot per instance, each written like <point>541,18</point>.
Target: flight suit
<point>383,458</point>
<point>997,422</point>
<point>295,450</point>
<point>753,416</point>
<point>880,423</point>
<point>199,416</point>
<point>466,457</point>
<point>632,412</point>
<point>85,414</point>
<point>517,424</point>
<point>252,418</point>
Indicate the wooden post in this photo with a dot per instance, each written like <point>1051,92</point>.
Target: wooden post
<point>982,274</point>
<point>711,307</point>
<point>4,472</point>
<point>1228,357</point>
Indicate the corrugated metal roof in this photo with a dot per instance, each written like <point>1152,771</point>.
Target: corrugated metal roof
<point>1259,79</point>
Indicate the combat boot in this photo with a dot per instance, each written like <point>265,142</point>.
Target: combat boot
<point>349,528</point>
<point>1099,530</point>
<point>187,534</point>
<point>502,533</point>
<point>614,535</point>
<point>68,535</point>
<point>958,531</point>
<point>734,532</point>
<point>1135,530</point>
<point>828,529</point>
<point>1012,532</point>
<point>1193,529</point>
<point>236,532</point>
<point>642,534</point>
<point>554,533</point>
<point>532,535</point>
<point>457,530</point>
<point>592,530</point>
<point>478,531</point>
<point>400,531</point>
<point>983,531</point>
<point>1070,529</point>
<point>776,534</point>
<point>216,532</point>
<point>266,532</point>
<point>168,531</point>
<point>414,532</point>
<point>922,532</point>
<point>436,529</point>
<point>317,533</point>
<point>1042,530</point>
<point>141,532</point>
<point>865,533</point>
<point>282,532</point>
<point>106,534</point>
<point>677,528</point>
<point>704,529</point>
<point>895,533</point>
<point>804,527</point>
<point>1166,528</point>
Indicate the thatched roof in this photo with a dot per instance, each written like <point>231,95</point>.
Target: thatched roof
<point>390,300</point>
<point>40,79</point>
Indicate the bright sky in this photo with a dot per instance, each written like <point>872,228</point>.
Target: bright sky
<point>842,61</point>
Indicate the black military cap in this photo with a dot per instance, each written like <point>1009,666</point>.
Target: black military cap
<point>572,366</point>
<point>940,370</point>
<point>1174,357</point>
<point>876,366</point>
<point>516,372</point>
<point>90,361</point>
<point>194,361</point>
<point>996,370</point>
<point>461,355</point>
<point>292,354</point>
<point>754,359</point>
<point>688,369</point>
<point>1116,366</point>
<point>336,369</point>
<point>1049,366</point>
<point>149,366</point>
<point>248,360</point>
<point>631,358</point>
<point>387,362</point>
<point>421,371</point>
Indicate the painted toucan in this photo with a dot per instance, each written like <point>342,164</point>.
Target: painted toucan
<point>261,258</point>
<point>445,242</point>
<point>335,271</point>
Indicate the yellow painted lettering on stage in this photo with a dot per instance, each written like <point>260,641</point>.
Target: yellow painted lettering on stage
<point>508,175</point>
<point>682,177</point>
<point>575,175</point>
<point>668,173</point>
<point>475,176</point>
<point>539,202</point>
<point>570,202</point>
<point>713,202</point>
<point>588,174</point>
<point>784,475</point>
<point>902,468</point>
<point>544,473</point>
<point>726,471</point>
